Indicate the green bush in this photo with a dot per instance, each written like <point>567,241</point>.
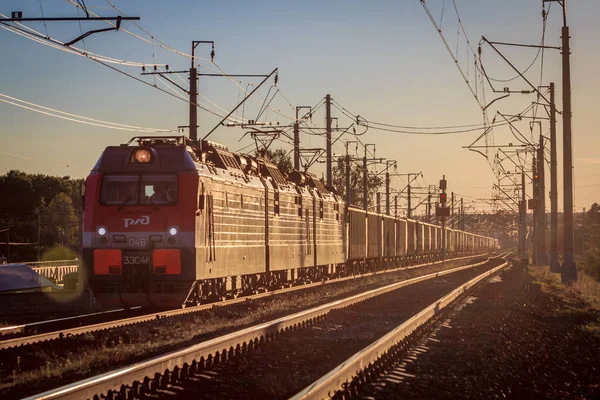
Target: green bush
<point>590,263</point>
<point>59,253</point>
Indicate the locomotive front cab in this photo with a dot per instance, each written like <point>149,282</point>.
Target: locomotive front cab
<point>139,234</point>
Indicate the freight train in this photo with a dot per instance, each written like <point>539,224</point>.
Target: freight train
<point>168,223</point>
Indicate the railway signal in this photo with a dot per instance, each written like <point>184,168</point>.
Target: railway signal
<point>441,211</point>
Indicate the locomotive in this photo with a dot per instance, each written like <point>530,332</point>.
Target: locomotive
<point>169,224</point>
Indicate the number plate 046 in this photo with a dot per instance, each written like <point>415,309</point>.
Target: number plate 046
<point>137,242</point>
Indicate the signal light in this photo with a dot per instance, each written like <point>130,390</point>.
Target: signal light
<point>443,198</point>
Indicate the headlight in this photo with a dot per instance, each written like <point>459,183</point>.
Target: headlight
<point>101,231</point>
<point>142,156</point>
<point>173,231</point>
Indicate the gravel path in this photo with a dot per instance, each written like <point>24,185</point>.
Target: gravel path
<point>512,341</point>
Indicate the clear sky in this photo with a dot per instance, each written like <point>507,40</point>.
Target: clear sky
<point>382,60</point>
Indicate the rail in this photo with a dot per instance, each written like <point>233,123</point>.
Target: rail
<point>215,349</point>
<point>339,378</point>
<point>26,340</point>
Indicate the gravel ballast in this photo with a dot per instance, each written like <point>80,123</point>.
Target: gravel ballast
<point>279,369</point>
<point>511,339</point>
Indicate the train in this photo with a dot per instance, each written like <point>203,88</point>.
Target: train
<point>169,223</point>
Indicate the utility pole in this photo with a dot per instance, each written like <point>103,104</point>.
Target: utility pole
<point>39,235</point>
<point>365,173</point>
<point>429,206</point>
<point>554,265</point>
<point>396,205</point>
<point>193,98</point>
<point>583,232</point>
<point>568,272</point>
<point>328,132</point>
<point>409,210</point>
<point>297,144</point>
<point>81,216</point>
<point>523,220</point>
<point>462,215</point>
<point>387,192</point>
<point>348,170</point>
<point>378,203</point>
<point>452,200</point>
<point>194,89</point>
<point>542,258</point>
<point>297,137</point>
<point>534,204</point>
<point>348,199</point>
<point>388,163</point>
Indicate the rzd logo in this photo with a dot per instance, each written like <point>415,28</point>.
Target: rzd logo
<point>144,220</point>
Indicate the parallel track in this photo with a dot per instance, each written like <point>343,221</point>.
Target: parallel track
<point>345,380</point>
<point>65,333</point>
<point>38,325</point>
<point>160,371</point>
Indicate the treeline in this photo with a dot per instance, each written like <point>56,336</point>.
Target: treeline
<point>587,241</point>
<point>39,216</point>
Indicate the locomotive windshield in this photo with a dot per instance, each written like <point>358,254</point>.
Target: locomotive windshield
<point>133,189</point>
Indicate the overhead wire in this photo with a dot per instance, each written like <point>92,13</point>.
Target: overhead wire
<point>442,132</point>
<point>74,117</point>
<point>101,60</point>
<point>44,20</point>
<point>163,45</point>
<point>457,63</point>
<point>160,43</point>
<point>32,34</point>
<point>371,123</point>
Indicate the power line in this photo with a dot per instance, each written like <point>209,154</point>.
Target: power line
<point>164,46</point>
<point>370,124</point>
<point>103,61</point>
<point>456,62</point>
<point>74,117</point>
<point>32,34</point>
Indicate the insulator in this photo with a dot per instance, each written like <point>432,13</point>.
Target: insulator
<point>212,54</point>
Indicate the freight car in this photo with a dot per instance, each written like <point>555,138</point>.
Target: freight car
<point>169,224</point>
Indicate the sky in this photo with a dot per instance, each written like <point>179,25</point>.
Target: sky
<point>382,60</point>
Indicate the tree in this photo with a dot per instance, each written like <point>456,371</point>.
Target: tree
<point>36,206</point>
<point>61,220</point>
<point>374,182</point>
<point>281,159</point>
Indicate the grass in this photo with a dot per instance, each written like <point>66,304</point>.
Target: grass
<point>582,296</point>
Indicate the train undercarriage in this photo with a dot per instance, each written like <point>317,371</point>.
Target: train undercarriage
<point>175,294</point>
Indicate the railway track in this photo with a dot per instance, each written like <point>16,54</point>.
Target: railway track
<point>163,375</point>
<point>48,334</point>
<point>50,325</point>
<point>360,370</point>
